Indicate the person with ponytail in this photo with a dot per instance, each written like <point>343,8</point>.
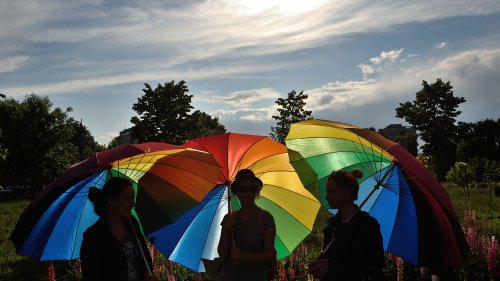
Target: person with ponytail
<point>352,247</point>
<point>113,247</point>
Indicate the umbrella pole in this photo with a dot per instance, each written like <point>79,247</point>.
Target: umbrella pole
<point>230,211</point>
<point>379,183</point>
<point>143,255</point>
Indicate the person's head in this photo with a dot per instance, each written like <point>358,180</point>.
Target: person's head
<point>115,198</point>
<point>342,188</point>
<point>246,186</point>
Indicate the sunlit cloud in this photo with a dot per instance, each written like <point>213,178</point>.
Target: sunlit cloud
<point>390,56</point>
<point>90,46</point>
<point>248,114</point>
<point>195,32</point>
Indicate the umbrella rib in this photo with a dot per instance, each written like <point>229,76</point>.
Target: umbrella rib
<point>78,225</point>
<point>291,191</point>
<point>238,165</point>
<point>184,170</point>
<point>81,209</point>
<point>374,166</point>
<point>211,222</point>
<point>286,212</point>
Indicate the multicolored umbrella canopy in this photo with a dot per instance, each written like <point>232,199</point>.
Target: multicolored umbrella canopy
<point>169,180</point>
<point>416,217</point>
<point>196,234</point>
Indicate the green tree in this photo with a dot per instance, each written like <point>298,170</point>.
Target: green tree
<point>481,139</point>
<point>290,110</point>
<point>433,114</point>
<point>491,175</point>
<point>164,115</point>
<point>409,141</point>
<point>462,175</point>
<point>201,124</point>
<point>40,141</point>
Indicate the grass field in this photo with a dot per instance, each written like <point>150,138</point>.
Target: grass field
<point>488,213</point>
<point>15,267</point>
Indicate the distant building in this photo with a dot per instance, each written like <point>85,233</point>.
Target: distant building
<point>404,135</point>
<point>125,137</point>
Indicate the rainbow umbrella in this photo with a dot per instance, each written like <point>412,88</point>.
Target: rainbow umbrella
<point>417,221</point>
<point>169,180</point>
<point>195,235</point>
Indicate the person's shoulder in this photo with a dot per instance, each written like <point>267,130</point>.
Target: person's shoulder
<point>366,218</point>
<point>267,216</point>
<point>95,229</point>
<point>265,212</point>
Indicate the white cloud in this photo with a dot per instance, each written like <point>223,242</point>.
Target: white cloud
<point>244,98</point>
<point>441,45</point>
<point>248,114</point>
<point>392,56</point>
<point>366,69</point>
<point>472,74</point>
<point>210,29</point>
<point>12,64</point>
<point>139,77</point>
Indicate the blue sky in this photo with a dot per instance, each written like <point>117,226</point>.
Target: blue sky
<point>357,60</point>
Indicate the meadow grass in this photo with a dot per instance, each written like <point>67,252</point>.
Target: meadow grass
<point>15,267</point>
<point>12,265</point>
<point>487,212</point>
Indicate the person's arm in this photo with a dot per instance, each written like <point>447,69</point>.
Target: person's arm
<point>90,259</point>
<point>374,248</point>
<point>225,241</point>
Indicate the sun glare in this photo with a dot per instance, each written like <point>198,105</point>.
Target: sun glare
<point>290,7</point>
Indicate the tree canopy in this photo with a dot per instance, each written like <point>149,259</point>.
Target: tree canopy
<point>290,110</point>
<point>480,139</point>
<point>433,114</point>
<point>39,142</point>
<point>164,114</point>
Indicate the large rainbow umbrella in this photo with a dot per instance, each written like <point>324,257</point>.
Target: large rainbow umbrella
<point>195,235</point>
<point>417,220</point>
<point>169,180</point>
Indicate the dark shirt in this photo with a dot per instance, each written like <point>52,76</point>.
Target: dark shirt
<point>357,252</point>
<point>103,257</point>
<point>248,239</point>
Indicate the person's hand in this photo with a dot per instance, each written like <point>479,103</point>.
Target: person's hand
<point>318,268</point>
<point>228,222</point>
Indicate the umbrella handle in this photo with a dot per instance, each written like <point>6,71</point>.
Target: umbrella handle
<point>143,255</point>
